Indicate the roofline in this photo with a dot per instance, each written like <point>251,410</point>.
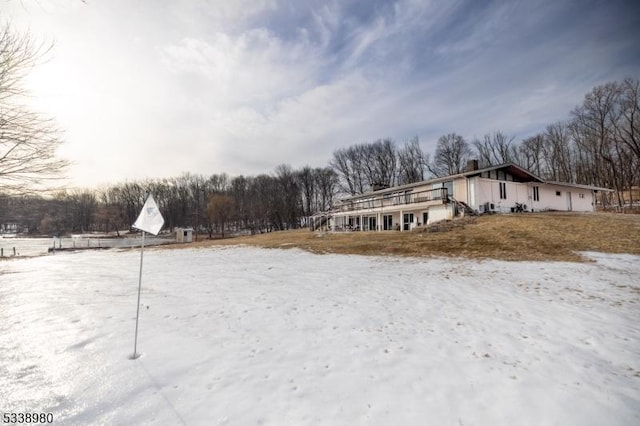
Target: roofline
<point>501,166</point>
<point>441,179</point>
<point>470,173</point>
<point>578,185</point>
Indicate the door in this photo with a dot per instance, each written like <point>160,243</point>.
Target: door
<point>569,205</point>
<point>407,221</point>
<point>425,218</point>
<point>387,222</point>
<point>372,223</point>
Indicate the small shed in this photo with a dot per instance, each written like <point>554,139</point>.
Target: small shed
<point>184,235</point>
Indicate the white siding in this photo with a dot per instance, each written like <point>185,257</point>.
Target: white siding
<point>488,191</point>
<point>460,190</point>
<point>550,201</point>
<point>472,198</point>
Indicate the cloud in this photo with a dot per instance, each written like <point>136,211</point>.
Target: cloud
<point>277,95</point>
<point>242,86</point>
<point>254,68</point>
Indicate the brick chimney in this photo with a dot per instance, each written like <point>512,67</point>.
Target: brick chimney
<point>471,165</point>
<point>378,186</point>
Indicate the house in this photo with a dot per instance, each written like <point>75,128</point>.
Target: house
<point>500,189</point>
<point>13,228</point>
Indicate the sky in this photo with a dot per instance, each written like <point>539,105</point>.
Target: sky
<point>155,88</point>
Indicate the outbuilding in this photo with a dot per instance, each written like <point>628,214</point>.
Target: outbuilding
<point>184,235</point>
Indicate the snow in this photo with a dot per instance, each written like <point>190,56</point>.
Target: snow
<point>243,336</point>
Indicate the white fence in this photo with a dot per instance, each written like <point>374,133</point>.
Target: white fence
<point>39,246</point>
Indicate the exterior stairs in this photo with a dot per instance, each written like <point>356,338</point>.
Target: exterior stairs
<point>462,208</point>
<point>318,220</point>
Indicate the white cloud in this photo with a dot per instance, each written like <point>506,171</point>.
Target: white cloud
<point>251,69</point>
<point>157,88</point>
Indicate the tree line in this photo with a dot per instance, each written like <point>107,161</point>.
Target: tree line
<point>267,202</point>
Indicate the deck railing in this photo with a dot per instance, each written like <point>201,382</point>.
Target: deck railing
<point>394,199</point>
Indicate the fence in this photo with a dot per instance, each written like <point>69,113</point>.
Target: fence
<point>10,247</point>
<point>394,199</point>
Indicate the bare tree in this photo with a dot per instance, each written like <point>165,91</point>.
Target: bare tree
<point>380,162</point>
<point>628,125</point>
<point>596,119</point>
<point>288,206</point>
<point>412,162</point>
<point>361,166</point>
<point>239,190</point>
<point>530,154</point>
<point>260,194</point>
<point>307,184</point>
<point>452,153</point>
<point>558,152</point>
<point>109,215</point>
<point>28,141</point>
<point>495,149</point>
<point>348,164</point>
<point>628,132</point>
<point>327,184</point>
<point>220,209</point>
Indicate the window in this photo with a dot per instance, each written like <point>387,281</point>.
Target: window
<point>503,190</point>
<point>558,193</point>
<point>536,193</point>
<point>581,195</point>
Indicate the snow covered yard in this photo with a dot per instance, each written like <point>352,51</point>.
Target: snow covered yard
<point>244,336</point>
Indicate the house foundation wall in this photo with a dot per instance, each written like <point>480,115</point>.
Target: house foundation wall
<point>438,213</point>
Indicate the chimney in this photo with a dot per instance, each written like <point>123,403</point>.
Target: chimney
<point>472,165</point>
<point>378,186</point>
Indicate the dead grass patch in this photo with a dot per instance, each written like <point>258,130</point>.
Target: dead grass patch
<point>528,236</point>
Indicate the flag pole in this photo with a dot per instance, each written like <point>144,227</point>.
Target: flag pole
<point>135,343</point>
<point>149,220</point>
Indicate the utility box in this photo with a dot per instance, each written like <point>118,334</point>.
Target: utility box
<point>184,235</point>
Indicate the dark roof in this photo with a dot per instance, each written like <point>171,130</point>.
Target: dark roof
<point>577,185</point>
<point>512,168</point>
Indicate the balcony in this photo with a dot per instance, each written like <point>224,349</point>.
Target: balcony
<point>389,201</point>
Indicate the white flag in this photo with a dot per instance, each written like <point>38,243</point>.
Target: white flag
<point>150,220</point>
